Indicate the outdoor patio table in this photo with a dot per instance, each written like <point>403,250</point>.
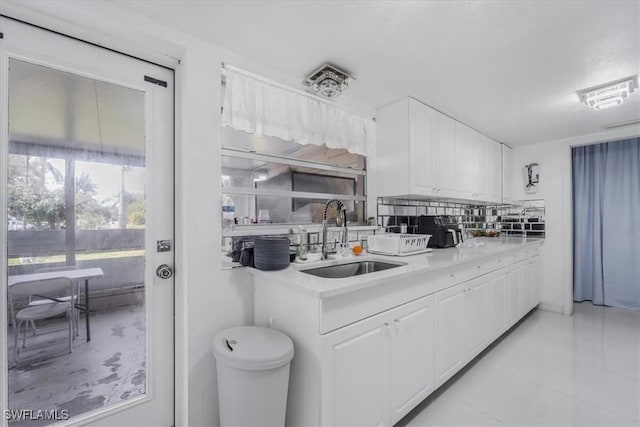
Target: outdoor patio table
<point>80,274</point>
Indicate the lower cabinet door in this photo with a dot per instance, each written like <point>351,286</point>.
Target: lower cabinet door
<point>532,282</point>
<point>355,374</point>
<point>498,299</point>
<point>450,332</point>
<point>412,355</point>
<point>537,279</point>
<point>479,313</point>
<point>513,292</point>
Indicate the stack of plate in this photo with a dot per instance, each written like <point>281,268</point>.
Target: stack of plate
<point>271,253</point>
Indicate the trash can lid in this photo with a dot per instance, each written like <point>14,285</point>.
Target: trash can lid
<point>253,348</point>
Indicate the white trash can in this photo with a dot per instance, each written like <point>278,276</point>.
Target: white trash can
<point>253,375</point>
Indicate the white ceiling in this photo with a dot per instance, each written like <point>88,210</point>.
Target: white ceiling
<point>510,69</point>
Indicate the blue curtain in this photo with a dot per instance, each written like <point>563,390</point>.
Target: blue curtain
<point>606,223</point>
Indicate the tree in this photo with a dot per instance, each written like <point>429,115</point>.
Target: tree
<point>136,211</point>
<point>37,196</point>
<point>90,213</point>
<point>28,196</point>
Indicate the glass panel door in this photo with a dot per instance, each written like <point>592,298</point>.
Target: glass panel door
<point>76,205</point>
<point>84,306</point>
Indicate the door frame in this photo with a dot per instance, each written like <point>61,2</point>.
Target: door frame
<point>179,323</point>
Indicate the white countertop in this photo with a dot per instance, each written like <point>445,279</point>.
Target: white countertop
<point>474,249</point>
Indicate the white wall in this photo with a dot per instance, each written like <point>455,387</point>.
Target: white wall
<point>554,158</point>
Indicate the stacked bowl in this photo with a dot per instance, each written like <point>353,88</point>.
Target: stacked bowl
<point>271,253</point>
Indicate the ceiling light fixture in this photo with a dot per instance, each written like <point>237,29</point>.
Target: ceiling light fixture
<point>328,81</point>
<point>609,94</point>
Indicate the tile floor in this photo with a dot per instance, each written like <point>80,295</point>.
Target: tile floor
<point>550,370</point>
<point>107,370</point>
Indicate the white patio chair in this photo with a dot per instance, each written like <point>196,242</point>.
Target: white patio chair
<point>72,298</point>
<point>51,289</point>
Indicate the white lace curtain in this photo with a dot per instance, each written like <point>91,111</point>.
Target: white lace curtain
<point>260,107</point>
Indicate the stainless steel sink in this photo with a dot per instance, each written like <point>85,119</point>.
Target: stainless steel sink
<point>350,269</point>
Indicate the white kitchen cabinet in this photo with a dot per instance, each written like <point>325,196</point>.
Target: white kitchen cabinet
<point>355,374</point>
<point>423,153</point>
<point>464,316</point>
<point>479,308</point>
<point>531,282</point>
<point>381,366</point>
<point>450,332</point>
<point>444,157</point>
<point>514,292</point>
<point>422,135</point>
<point>412,356</point>
<point>536,262</point>
<point>494,171</point>
<point>415,151</point>
<point>370,355</point>
<point>484,163</point>
<point>507,174</point>
<point>468,151</point>
<point>481,184</point>
<point>498,298</point>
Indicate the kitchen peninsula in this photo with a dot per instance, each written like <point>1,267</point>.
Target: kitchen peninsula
<point>369,348</point>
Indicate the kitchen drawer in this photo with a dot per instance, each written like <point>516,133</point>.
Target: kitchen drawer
<point>531,252</point>
<point>475,269</point>
<point>342,310</point>
<point>517,256</point>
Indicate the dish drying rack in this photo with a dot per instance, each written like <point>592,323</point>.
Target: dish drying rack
<point>398,244</point>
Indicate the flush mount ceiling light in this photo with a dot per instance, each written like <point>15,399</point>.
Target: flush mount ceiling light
<point>609,94</point>
<point>328,81</point>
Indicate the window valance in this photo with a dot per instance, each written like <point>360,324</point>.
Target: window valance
<point>262,107</point>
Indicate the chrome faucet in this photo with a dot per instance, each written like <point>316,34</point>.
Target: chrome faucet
<point>345,233</point>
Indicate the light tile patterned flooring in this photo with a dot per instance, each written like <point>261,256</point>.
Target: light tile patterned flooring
<point>551,370</point>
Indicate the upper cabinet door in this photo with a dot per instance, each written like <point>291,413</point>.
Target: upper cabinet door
<point>467,160</point>
<point>445,164</point>
<point>494,171</point>
<point>424,153</point>
<point>483,160</point>
<point>421,133</point>
<point>507,174</point>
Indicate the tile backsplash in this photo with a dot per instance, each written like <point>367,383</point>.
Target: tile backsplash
<point>521,217</point>
<point>357,234</point>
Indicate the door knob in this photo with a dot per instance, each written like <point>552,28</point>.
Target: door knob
<point>164,271</point>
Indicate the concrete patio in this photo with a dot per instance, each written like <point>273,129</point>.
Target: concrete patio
<point>106,370</point>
